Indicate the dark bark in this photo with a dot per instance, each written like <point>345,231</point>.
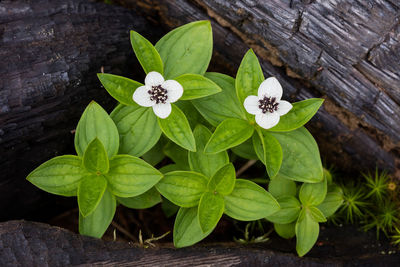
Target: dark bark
<point>346,51</point>
<point>34,244</point>
<point>50,53</point>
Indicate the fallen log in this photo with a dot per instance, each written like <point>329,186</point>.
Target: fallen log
<point>51,52</point>
<point>345,51</point>
<point>24,243</point>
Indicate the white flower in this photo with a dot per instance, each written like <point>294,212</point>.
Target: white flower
<point>158,94</point>
<point>267,106</point>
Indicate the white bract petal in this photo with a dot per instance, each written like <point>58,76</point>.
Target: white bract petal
<point>270,88</point>
<point>162,110</point>
<point>267,120</point>
<point>283,107</point>
<point>251,104</point>
<point>142,97</point>
<point>153,78</point>
<point>174,90</point>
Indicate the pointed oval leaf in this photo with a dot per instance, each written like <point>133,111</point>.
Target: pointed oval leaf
<point>307,231</point>
<point>211,208</point>
<point>205,163</point>
<point>130,176</point>
<point>249,76</point>
<point>187,108</point>
<point>223,181</point>
<point>96,224</point>
<point>317,215</point>
<point>183,188</point>
<point>299,115</point>
<point>59,175</point>
<point>226,101</point>
<point>176,127</point>
<point>177,154</point>
<point>196,86</point>
<point>245,150</point>
<point>285,230</point>
<point>138,129</point>
<point>313,194</point>
<point>146,200</point>
<point>280,186</point>
<point>290,209</point>
<point>331,203</point>
<point>95,158</point>
<point>249,201</point>
<point>301,160</point>
<point>146,53</point>
<point>90,192</point>
<point>187,229</point>
<point>186,49</point>
<point>95,122</point>
<point>230,133</point>
<point>120,88</point>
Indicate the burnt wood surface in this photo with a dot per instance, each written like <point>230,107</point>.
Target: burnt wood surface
<point>50,53</point>
<point>346,51</point>
<point>24,243</point>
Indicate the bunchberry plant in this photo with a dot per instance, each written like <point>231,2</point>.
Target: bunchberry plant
<point>97,175</point>
<point>196,118</point>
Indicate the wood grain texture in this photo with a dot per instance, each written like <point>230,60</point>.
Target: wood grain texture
<point>24,243</point>
<point>346,51</point>
<point>50,53</point>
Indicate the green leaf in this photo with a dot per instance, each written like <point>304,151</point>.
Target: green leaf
<point>280,186</point>
<point>196,86</point>
<point>176,127</point>
<point>230,133</point>
<point>211,208</point>
<point>155,155</point>
<point>273,154</point>
<point>221,106</point>
<point>299,115</point>
<point>146,53</point>
<point>269,151</point>
<point>130,176</point>
<point>290,209</point>
<point>245,150</point>
<point>187,229</point>
<point>138,129</point>
<point>177,154</point>
<point>90,192</point>
<point>249,201</point>
<point>223,180</point>
<point>317,214</point>
<point>313,194</point>
<point>249,76</point>
<point>96,224</point>
<point>95,158</point>
<point>331,203</point>
<point>170,168</point>
<point>307,231</point>
<point>146,200</point>
<point>285,230</point>
<point>301,160</point>
<point>205,163</point>
<point>186,49</point>
<point>119,87</point>
<point>183,188</point>
<point>169,208</point>
<point>95,122</point>
<point>195,117</point>
<point>59,175</point>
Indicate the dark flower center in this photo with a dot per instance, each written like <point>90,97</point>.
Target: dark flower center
<point>158,94</point>
<point>268,104</point>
